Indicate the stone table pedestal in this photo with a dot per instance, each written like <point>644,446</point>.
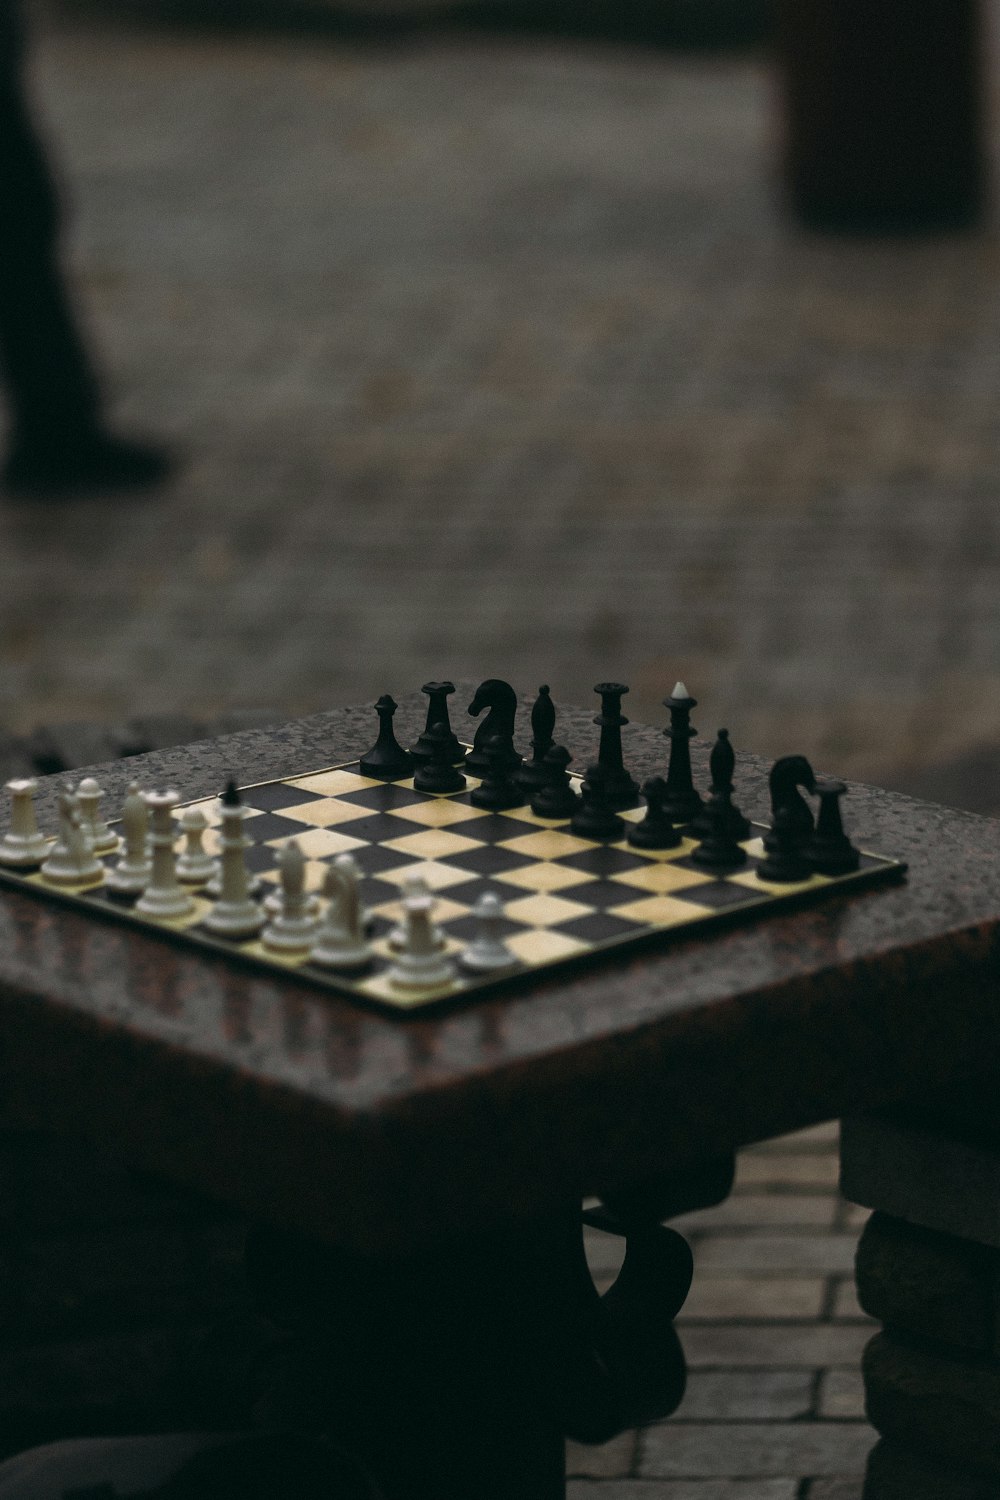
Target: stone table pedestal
<point>928,1267</point>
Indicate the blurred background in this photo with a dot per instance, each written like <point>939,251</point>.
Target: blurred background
<point>488,347</point>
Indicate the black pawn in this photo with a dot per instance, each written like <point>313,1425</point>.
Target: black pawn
<point>829,850</point>
<point>438,694</point>
<point>231,797</point>
<point>386,760</point>
<point>596,817</point>
<point>533,775</point>
<point>557,798</point>
<point>683,802</point>
<point>620,789</point>
<point>498,788</point>
<point>656,831</point>
<point>722,764</point>
<point>438,773</point>
<point>719,849</point>
<point>785,860</point>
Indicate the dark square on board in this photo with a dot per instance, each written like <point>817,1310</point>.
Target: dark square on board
<point>468,927</point>
<point>494,828</point>
<point>373,858</point>
<point>276,795</point>
<point>603,861</point>
<point>491,859</point>
<point>273,826</point>
<point>379,828</point>
<point>384,797</point>
<point>469,892</point>
<point>718,894</point>
<point>601,927</point>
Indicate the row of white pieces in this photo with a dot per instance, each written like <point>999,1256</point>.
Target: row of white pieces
<point>24,845</point>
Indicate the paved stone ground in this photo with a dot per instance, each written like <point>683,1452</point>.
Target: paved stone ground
<point>773,1334</point>
<point>490,354</point>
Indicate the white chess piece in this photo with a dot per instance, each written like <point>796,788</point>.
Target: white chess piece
<point>413,885</point>
<point>164,896</point>
<point>131,875</point>
<point>340,942</point>
<point>103,840</point>
<point>422,962</point>
<point>22,845</point>
<point>487,953</point>
<point>194,864</point>
<point>71,861</point>
<point>293,928</point>
<point>235,914</point>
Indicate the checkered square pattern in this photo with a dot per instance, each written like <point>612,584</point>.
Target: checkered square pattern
<point>565,899</point>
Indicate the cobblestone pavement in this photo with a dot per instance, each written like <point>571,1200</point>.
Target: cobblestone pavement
<point>773,1335</point>
<point>110,1278</point>
<point>494,356</point>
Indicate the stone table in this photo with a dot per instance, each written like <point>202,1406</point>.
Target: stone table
<point>364,1143</point>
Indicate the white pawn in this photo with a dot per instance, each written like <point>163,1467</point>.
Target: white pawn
<point>487,953</point>
<point>164,896</point>
<point>194,864</point>
<point>131,874</point>
<point>102,839</point>
<point>72,860</point>
<point>413,885</point>
<point>235,914</point>
<point>293,928</point>
<point>340,942</point>
<point>422,963</point>
<point>22,845</point>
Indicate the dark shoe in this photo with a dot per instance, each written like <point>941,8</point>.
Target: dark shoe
<point>95,461</point>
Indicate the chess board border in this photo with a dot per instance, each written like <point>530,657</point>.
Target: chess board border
<point>876,870</point>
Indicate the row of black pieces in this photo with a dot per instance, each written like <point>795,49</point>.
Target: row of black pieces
<point>794,849</point>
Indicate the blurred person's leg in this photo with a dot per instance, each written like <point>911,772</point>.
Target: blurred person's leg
<point>56,438</point>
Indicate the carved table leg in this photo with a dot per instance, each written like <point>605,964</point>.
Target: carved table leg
<point>928,1267</point>
<point>459,1374</point>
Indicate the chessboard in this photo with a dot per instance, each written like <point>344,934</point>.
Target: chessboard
<point>568,901</point>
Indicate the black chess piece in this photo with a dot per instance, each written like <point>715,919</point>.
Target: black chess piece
<point>787,774</point>
<point>533,775</point>
<point>438,773</point>
<point>656,831</point>
<point>386,760</point>
<point>719,849</point>
<point>683,802</point>
<point>501,700</point>
<point>498,788</point>
<point>830,851</point>
<point>785,860</point>
<point>231,796</point>
<point>438,694</point>
<point>722,763</point>
<point>557,798</point>
<point>620,789</point>
<point>596,818</point>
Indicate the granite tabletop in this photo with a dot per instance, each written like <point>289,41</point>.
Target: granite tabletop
<point>378,1131</point>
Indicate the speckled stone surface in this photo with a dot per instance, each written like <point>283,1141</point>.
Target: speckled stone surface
<point>383,1132</point>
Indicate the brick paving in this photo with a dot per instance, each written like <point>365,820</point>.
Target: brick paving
<point>492,354</point>
<point>772,1332</point>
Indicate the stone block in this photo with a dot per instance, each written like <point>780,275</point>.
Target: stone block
<point>919,1174</point>
<point>775,1346</point>
<point>712,1298</point>
<point>896,1473</point>
<point>738,1396</point>
<point>933,1285</point>
<point>841,1395</point>
<point>766,1450</point>
<point>947,1408</point>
